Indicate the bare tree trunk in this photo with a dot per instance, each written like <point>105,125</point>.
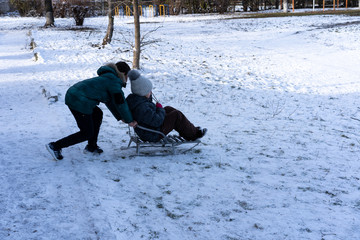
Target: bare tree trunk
<point>245,5</point>
<point>136,57</point>
<point>285,6</point>
<point>49,15</point>
<point>110,29</point>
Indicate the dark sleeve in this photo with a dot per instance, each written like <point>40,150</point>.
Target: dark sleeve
<point>119,98</point>
<point>119,108</point>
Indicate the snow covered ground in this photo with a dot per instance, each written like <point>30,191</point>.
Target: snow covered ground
<point>280,97</point>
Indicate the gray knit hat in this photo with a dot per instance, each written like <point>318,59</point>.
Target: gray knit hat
<point>140,85</point>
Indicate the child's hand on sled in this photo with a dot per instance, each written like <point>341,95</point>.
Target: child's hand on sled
<point>133,124</point>
<point>158,105</point>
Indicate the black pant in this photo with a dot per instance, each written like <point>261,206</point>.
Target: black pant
<point>175,119</point>
<point>89,125</point>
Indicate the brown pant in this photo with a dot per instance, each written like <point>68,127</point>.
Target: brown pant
<point>174,119</point>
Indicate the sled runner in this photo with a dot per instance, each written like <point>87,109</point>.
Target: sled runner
<point>168,142</point>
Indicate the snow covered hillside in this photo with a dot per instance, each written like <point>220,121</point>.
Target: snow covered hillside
<point>280,97</point>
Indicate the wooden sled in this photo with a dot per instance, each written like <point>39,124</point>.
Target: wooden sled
<point>168,143</point>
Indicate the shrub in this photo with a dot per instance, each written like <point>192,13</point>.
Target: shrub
<point>28,7</point>
<point>79,14</point>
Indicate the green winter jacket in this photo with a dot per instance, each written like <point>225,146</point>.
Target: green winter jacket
<point>106,88</point>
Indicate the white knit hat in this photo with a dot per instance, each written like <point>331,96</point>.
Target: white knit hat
<point>140,85</point>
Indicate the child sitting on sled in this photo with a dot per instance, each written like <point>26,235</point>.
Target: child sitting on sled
<point>154,116</point>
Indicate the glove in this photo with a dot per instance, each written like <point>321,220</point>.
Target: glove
<point>158,105</point>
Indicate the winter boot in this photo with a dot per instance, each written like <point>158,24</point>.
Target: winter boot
<point>56,153</point>
<point>94,150</point>
<point>201,132</point>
